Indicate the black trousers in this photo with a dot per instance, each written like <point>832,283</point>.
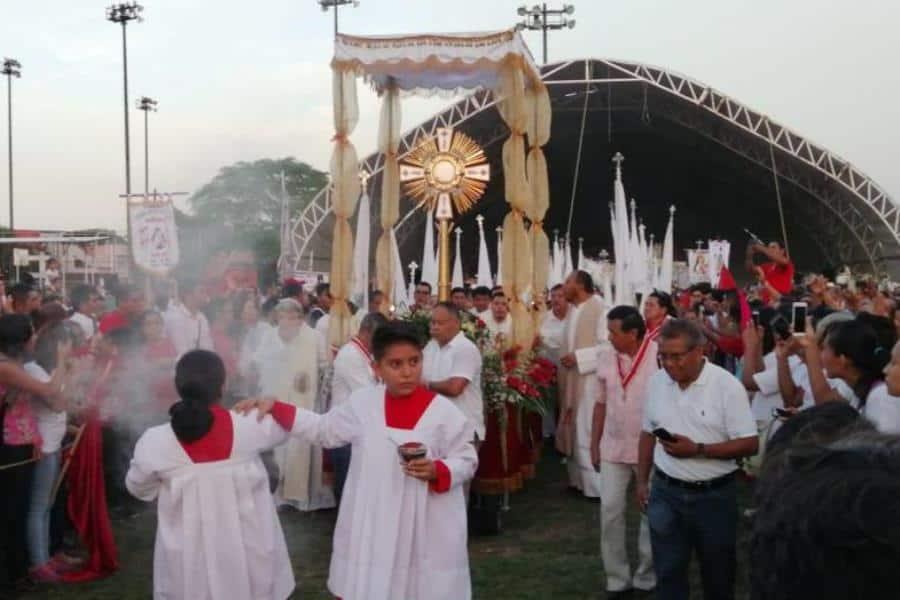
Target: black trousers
<point>15,491</point>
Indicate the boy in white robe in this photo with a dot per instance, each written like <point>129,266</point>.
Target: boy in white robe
<point>218,533</point>
<point>401,532</point>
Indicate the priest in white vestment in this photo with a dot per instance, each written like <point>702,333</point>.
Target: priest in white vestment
<point>585,334</point>
<point>218,533</point>
<point>289,359</point>
<point>401,531</point>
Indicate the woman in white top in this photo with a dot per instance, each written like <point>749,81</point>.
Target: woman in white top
<point>54,343</point>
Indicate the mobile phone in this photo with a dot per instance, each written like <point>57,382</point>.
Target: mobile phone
<point>663,434</point>
<point>780,413</point>
<point>780,327</point>
<point>798,317</point>
<point>755,316</point>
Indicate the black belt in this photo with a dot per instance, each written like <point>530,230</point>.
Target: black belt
<point>701,486</point>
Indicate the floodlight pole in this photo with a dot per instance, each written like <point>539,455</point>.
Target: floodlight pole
<point>335,4</point>
<point>539,17</point>
<point>123,13</point>
<point>11,68</point>
<point>147,104</point>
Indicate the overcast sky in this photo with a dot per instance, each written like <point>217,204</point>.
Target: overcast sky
<point>240,80</point>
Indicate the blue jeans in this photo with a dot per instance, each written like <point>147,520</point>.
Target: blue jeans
<point>682,521</point>
<point>45,472</point>
<point>340,460</point>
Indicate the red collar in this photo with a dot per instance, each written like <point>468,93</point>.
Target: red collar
<point>421,393</point>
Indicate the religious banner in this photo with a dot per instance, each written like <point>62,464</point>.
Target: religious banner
<point>719,254</point>
<point>698,266</point>
<point>153,236</point>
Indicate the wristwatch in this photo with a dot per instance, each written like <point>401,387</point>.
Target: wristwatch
<point>701,449</point>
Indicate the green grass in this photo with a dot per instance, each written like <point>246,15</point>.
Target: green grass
<point>550,548</point>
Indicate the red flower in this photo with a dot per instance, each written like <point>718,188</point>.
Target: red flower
<point>480,324</point>
<point>514,382</point>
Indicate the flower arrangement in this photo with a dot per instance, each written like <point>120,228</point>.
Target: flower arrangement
<point>518,377</point>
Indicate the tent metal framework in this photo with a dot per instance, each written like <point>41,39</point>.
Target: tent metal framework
<point>854,220</point>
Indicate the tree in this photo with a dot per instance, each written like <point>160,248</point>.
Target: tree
<point>241,206</point>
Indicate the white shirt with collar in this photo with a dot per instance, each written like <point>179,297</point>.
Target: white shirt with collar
<point>713,409</point>
<point>352,371</point>
<point>503,328</point>
<point>187,332</point>
<point>458,358</point>
<point>552,332</point>
<point>87,324</point>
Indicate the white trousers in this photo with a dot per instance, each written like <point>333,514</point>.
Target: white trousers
<point>582,474</point>
<point>614,480</point>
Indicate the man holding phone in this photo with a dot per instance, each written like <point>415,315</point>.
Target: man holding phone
<point>701,416</point>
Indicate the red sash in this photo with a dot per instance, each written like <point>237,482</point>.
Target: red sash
<point>653,334</point>
<point>626,378</point>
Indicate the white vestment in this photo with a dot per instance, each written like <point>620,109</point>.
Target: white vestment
<point>218,534</point>
<point>582,474</point>
<point>395,539</point>
<point>283,367</point>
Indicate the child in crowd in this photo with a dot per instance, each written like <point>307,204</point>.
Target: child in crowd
<point>401,528</point>
<point>218,534</point>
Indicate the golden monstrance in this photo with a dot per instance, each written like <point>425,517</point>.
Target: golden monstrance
<point>447,172</point>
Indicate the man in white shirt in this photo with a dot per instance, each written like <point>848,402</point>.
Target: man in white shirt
<point>186,325</point>
<point>701,415</point>
<point>552,333</point>
<point>352,371</point>
<point>452,365</point>
<point>86,303</point>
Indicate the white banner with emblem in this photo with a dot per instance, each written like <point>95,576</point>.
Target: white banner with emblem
<point>153,235</point>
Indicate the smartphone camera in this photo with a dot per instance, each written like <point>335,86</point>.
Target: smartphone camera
<point>798,317</point>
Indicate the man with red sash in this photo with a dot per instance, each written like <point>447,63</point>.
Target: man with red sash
<point>623,373</point>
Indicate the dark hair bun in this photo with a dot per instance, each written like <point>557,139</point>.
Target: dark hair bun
<point>190,421</point>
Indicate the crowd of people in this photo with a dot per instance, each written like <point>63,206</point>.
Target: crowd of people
<point>679,398</point>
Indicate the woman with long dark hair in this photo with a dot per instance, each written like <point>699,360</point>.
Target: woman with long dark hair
<point>852,352</point>
<point>218,534</point>
<point>21,444</point>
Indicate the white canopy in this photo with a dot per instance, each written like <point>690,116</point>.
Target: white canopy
<point>434,63</point>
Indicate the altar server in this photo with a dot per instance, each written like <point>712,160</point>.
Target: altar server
<point>401,528</point>
<point>218,533</point>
